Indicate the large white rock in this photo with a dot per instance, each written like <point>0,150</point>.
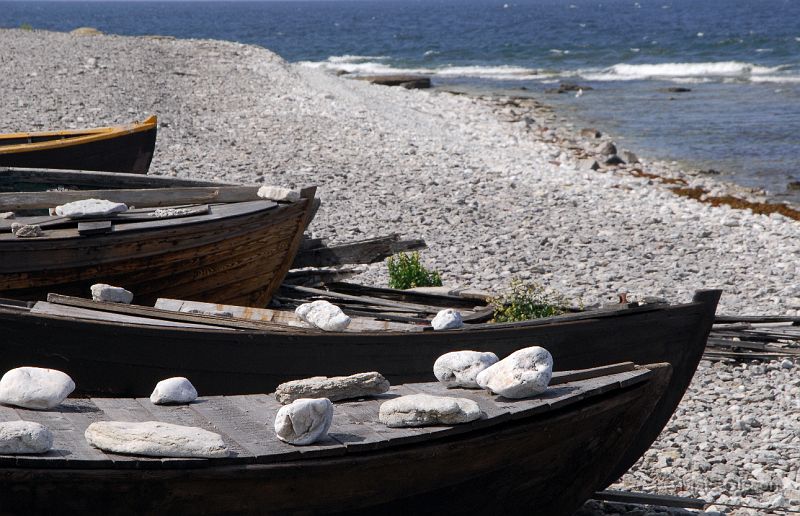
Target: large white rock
<point>277,193</point>
<point>35,387</point>
<point>523,373</point>
<point>104,292</point>
<point>447,319</point>
<point>155,439</point>
<point>461,368</point>
<point>173,390</point>
<point>17,437</point>
<point>323,315</point>
<point>90,208</point>
<point>427,410</point>
<point>304,421</point>
<point>334,388</point>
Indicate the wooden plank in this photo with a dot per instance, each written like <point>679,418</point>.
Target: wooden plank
<point>262,407</point>
<point>612,495</point>
<point>141,198</point>
<point>561,377</point>
<point>130,216</point>
<point>284,317</point>
<point>225,417</point>
<point>372,250</point>
<point>756,318</point>
<point>67,438</point>
<point>157,314</point>
<point>183,415</point>
<point>42,307</point>
<point>366,299</point>
<point>94,228</point>
<point>53,177</point>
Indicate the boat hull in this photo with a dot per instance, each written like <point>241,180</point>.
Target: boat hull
<point>239,258</point>
<point>129,152</point>
<point>546,464</point>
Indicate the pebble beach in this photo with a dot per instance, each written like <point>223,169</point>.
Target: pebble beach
<point>498,187</point>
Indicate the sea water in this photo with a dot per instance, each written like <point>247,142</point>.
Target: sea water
<point>740,59</point>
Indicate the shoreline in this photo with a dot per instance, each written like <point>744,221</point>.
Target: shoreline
<point>497,190</point>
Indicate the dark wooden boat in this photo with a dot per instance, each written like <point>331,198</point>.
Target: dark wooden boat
<point>222,355</point>
<point>547,455</point>
<point>122,148</point>
<point>224,243</point>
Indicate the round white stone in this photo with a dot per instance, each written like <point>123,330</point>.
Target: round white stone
<point>523,373</point>
<point>104,292</point>
<point>173,390</point>
<point>323,315</point>
<point>35,387</point>
<point>304,421</point>
<point>427,410</point>
<point>90,208</point>
<point>447,319</point>
<point>18,437</point>
<point>461,368</point>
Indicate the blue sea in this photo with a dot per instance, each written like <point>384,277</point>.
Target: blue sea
<point>739,58</point>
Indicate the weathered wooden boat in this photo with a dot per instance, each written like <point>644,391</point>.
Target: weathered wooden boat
<point>211,243</point>
<point>547,455</point>
<point>122,148</point>
<point>229,355</point>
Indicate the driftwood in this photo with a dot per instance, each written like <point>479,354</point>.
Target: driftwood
<point>754,338</point>
<point>362,252</point>
<point>611,495</point>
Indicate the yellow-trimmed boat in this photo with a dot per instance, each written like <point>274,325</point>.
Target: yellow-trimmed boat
<point>121,148</point>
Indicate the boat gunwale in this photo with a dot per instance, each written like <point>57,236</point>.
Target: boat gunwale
<point>74,137</point>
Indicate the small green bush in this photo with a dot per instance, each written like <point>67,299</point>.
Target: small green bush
<point>406,271</point>
<point>26,26</point>
<point>524,301</point>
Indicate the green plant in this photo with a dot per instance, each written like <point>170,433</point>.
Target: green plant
<point>26,26</point>
<point>406,271</point>
<point>526,300</point>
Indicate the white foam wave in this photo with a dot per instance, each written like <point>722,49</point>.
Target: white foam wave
<point>677,71</point>
<point>377,68</point>
<point>355,59</point>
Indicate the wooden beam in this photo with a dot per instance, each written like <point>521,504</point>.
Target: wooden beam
<point>168,315</point>
<point>611,495</point>
<point>141,198</point>
<point>362,252</point>
<point>413,307</point>
<point>46,176</point>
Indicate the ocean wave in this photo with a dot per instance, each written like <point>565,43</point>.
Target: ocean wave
<point>355,59</point>
<point>502,72</point>
<point>678,71</point>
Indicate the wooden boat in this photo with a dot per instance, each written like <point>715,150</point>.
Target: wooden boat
<point>121,148</point>
<point>219,243</point>
<point>547,454</point>
<point>224,355</point>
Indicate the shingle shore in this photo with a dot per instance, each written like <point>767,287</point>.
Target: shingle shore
<point>492,187</point>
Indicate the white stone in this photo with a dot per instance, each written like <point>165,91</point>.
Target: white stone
<point>323,315</point>
<point>173,390</point>
<point>277,193</point>
<point>6,215</point>
<point>334,388</point>
<point>26,230</point>
<point>155,439</point>
<point>461,368</point>
<point>104,292</point>
<point>304,421</point>
<point>427,410</point>
<point>523,373</point>
<point>35,387</point>
<point>447,319</point>
<point>17,437</point>
<point>90,208</point>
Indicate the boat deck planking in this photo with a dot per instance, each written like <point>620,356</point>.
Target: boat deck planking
<point>245,422</point>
